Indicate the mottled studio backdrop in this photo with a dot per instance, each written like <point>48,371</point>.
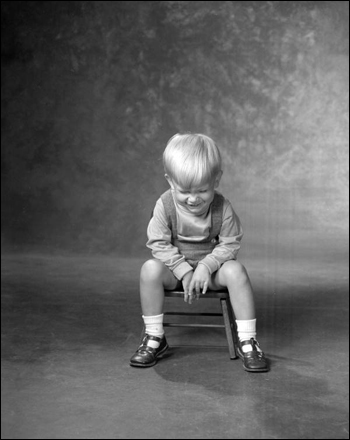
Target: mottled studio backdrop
<point>92,90</point>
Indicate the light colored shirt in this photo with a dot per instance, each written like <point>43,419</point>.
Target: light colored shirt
<point>192,228</point>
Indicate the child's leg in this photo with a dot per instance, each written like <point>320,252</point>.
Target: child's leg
<point>154,278</point>
<point>234,277</point>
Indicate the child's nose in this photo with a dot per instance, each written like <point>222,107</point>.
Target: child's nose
<point>193,198</point>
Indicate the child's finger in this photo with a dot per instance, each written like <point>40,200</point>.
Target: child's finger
<point>185,296</point>
<point>190,294</point>
<point>205,288</point>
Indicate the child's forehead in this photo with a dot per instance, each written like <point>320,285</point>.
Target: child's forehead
<point>201,186</point>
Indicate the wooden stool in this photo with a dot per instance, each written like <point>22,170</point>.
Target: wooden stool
<point>227,314</point>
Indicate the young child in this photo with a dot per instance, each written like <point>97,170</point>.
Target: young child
<point>195,236</point>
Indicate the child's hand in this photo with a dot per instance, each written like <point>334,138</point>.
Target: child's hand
<point>200,280</point>
<point>186,281</point>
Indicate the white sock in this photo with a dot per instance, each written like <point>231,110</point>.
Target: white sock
<point>246,329</point>
<point>154,327</point>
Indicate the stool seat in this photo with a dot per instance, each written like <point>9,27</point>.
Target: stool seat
<point>227,314</point>
<point>209,294</point>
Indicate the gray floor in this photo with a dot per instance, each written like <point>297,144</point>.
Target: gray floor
<point>71,323</point>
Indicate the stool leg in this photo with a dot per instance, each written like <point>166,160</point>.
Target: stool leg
<point>229,327</point>
<point>142,334</point>
<point>233,323</point>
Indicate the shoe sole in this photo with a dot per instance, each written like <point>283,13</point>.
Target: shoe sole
<point>256,370</point>
<point>153,363</point>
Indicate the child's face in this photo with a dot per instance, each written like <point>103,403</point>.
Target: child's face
<point>195,200</point>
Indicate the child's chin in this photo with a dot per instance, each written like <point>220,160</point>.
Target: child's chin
<point>196,209</point>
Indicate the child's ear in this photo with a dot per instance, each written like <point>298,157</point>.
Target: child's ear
<point>218,178</point>
<point>169,181</point>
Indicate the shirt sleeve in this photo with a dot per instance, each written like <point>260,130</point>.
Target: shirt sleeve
<point>229,240</point>
<point>159,241</point>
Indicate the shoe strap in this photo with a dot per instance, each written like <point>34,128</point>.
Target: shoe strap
<point>152,338</point>
<point>254,353</point>
<point>253,342</point>
<point>145,346</point>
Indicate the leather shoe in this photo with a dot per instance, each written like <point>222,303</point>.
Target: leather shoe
<point>145,355</point>
<point>254,361</point>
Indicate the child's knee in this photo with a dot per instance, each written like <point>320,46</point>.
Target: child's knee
<point>234,270</point>
<point>152,270</point>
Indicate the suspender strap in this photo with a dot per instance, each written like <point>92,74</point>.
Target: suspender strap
<point>170,210</point>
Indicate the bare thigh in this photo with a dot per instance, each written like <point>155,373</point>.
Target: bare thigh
<point>214,282</point>
<point>230,270</point>
<point>170,282</point>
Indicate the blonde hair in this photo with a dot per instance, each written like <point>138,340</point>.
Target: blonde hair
<point>191,159</point>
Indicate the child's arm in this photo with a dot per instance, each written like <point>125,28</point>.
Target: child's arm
<point>229,240</point>
<point>159,241</point>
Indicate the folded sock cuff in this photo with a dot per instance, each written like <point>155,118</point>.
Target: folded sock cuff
<point>155,319</point>
<point>246,325</point>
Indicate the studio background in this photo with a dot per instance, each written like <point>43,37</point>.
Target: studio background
<point>92,91</point>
